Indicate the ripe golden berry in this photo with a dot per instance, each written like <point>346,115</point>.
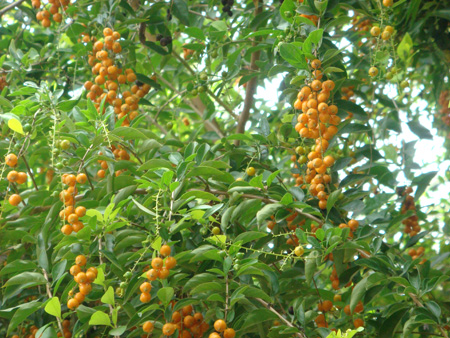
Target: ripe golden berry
<point>220,325</point>
<point>80,260</point>
<point>11,160</point>
<point>373,71</point>
<point>251,171</point>
<point>147,326</point>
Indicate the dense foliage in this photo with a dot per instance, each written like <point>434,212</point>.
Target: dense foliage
<point>154,185</point>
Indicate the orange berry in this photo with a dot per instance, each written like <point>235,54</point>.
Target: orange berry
<point>165,250</point>
<point>11,160</point>
<point>145,287</point>
<point>220,325</point>
<point>80,260</point>
<point>168,329</point>
<point>72,304</point>
<point>147,326</point>
<point>67,229</point>
<point>157,263</point>
<point>229,333</point>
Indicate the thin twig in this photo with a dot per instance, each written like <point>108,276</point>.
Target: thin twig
<point>89,179</point>
<point>287,322</point>
<point>30,173</point>
<point>49,294</point>
<point>9,7</point>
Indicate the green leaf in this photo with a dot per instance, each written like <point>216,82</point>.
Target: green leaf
<point>195,33</point>
<point>422,132</point>
<point>156,163</point>
<point>293,55</point>
<point>53,307</point>
<point>118,331</point>
<point>310,266</point>
<point>209,172</point>
<point>358,292</point>
<point>267,211</point>
<point>181,11</point>
<point>34,278</point>
<point>165,295</point>
<point>287,6</point>
<point>16,126</point>
<point>404,47</point>
<point>17,266</point>
<point>144,209</point>
<point>334,196</point>
<point>422,182</point>
<point>108,297</point>
<point>249,236</point>
<point>23,312</point>
<point>100,318</point>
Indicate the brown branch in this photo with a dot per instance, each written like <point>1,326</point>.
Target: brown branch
<point>287,322</point>
<point>9,7</point>
<point>30,173</point>
<point>252,83</point>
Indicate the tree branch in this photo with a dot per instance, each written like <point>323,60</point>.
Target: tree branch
<point>9,7</point>
<point>252,84</point>
<point>284,320</point>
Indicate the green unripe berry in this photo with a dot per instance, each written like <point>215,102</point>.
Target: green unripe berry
<point>216,231</point>
<point>65,144</point>
<point>127,274</point>
<point>203,76</point>
<point>240,255</point>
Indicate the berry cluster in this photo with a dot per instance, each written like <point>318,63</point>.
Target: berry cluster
<point>416,253</point>
<point>66,331</point>
<point>67,196</point>
<point>387,32</point>
<point>164,40</point>
<point>360,25</point>
<point>84,280</point>
<point>27,332</point>
<point>44,15</point>
<point>119,154</point>
<point>188,323</point>
<point>14,177</point>
<point>160,269</point>
<point>318,121</point>
<point>109,77</point>
<point>226,9</point>
<point>412,226</point>
<point>222,330</point>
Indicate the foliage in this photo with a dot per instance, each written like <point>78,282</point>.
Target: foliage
<point>151,186</point>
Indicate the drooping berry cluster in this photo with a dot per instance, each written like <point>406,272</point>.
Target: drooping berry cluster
<point>108,78</point>
<point>318,121</point>
<point>45,15</point>
<point>160,269</point>
<point>84,280</point>
<point>14,177</point>
<point>119,154</point>
<point>411,223</point>
<point>71,214</point>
